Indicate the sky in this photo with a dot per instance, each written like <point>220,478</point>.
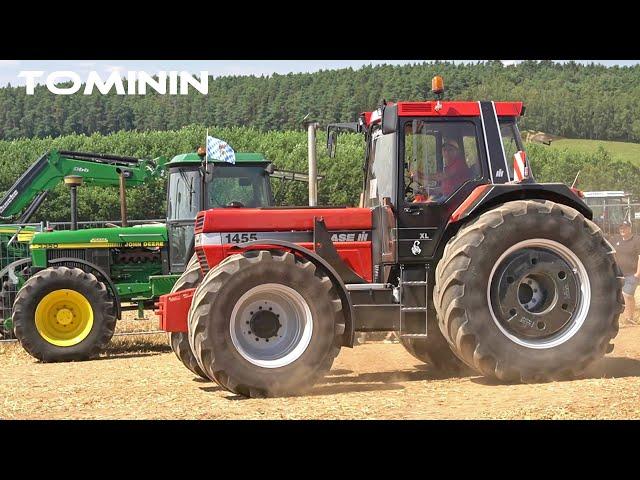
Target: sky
<point>9,69</point>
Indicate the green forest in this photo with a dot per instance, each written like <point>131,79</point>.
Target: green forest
<point>570,100</point>
<point>288,150</point>
<point>264,114</point>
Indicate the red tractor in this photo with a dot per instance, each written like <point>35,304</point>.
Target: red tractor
<point>469,261</point>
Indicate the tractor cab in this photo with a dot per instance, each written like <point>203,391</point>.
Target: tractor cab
<point>192,189</point>
<point>424,162</point>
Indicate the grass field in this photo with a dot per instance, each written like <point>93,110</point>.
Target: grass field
<point>618,150</point>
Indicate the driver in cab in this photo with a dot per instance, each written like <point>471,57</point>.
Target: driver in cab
<point>456,172</point>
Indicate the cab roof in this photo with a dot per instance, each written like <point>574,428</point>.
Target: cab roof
<point>193,157</point>
<point>446,109</point>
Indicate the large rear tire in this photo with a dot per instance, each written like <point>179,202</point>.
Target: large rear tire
<point>529,291</point>
<point>179,341</point>
<point>265,325</point>
<point>63,314</point>
<point>434,351</point>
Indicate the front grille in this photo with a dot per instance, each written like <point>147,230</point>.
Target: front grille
<point>202,259</point>
<point>55,253</point>
<point>199,222</point>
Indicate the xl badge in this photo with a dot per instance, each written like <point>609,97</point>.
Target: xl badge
<point>416,250</point>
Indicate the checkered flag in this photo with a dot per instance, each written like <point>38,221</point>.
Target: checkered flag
<point>219,150</point>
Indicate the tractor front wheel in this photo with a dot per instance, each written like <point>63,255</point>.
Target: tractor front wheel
<point>63,314</point>
<point>264,324</point>
<point>179,341</point>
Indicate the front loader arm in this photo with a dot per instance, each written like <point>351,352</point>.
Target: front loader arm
<point>49,170</point>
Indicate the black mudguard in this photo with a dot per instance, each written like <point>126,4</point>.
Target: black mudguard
<point>491,195</point>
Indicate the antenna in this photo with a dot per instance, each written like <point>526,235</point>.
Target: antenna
<point>575,180</point>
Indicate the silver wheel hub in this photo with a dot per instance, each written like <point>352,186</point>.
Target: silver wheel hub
<point>271,325</point>
<point>539,293</point>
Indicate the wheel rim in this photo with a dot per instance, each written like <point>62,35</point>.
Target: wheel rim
<point>539,293</point>
<point>64,317</point>
<point>271,325</point>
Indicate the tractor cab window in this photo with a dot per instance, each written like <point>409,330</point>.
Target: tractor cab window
<point>238,186</point>
<point>182,207</point>
<point>379,182</point>
<point>184,194</point>
<point>439,158</point>
<point>511,141</point>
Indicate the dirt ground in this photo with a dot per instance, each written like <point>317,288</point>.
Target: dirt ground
<point>139,378</point>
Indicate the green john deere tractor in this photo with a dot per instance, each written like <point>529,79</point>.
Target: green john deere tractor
<point>74,282</point>
<point>22,200</point>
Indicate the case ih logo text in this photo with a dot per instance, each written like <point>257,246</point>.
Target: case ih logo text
<point>350,237</point>
<point>68,82</point>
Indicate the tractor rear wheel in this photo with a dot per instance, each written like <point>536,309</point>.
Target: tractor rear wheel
<point>264,324</point>
<point>529,291</point>
<point>63,314</point>
<point>179,341</point>
<point>434,351</point>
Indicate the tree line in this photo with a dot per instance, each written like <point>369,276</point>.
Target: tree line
<point>341,185</point>
<point>571,100</point>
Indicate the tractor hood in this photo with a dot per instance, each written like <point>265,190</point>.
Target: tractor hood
<point>138,236</point>
<point>284,219</point>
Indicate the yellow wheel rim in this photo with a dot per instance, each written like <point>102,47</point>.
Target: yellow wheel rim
<point>64,317</point>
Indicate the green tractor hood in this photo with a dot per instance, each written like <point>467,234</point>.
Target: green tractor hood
<point>154,235</point>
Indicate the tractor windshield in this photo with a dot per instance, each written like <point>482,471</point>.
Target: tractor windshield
<point>243,186</point>
<point>440,157</point>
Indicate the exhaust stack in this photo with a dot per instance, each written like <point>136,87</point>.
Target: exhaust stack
<point>73,181</point>
<point>312,126</point>
<point>123,197</point>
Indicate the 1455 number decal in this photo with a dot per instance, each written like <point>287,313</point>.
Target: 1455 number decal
<point>239,237</point>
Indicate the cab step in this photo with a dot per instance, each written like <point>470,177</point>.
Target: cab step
<point>414,309</point>
<point>414,335</point>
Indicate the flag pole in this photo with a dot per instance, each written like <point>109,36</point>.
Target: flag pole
<point>206,149</point>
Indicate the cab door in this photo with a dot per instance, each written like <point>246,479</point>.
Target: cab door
<point>379,194</point>
<point>441,161</point>
<point>184,201</point>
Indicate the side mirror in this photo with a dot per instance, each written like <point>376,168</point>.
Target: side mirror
<point>270,168</point>
<point>389,119</point>
<point>332,140</point>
